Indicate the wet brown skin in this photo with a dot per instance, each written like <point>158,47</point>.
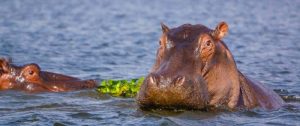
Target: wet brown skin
<point>194,69</point>
<point>30,78</point>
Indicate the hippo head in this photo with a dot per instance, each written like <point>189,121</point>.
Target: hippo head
<point>183,72</point>
<point>30,78</point>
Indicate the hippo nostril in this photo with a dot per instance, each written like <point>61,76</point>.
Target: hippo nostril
<point>179,80</point>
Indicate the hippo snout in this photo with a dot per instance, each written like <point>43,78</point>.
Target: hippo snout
<point>172,92</point>
<point>90,83</point>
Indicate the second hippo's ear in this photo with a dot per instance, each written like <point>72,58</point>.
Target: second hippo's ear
<point>4,64</point>
<point>164,28</point>
<point>220,31</point>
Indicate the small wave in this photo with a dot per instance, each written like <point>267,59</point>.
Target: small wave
<point>287,96</point>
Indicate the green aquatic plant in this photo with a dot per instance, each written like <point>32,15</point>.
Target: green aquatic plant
<point>121,88</point>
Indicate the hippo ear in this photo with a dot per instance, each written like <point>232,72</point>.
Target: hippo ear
<point>4,64</point>
<point>164,28</point>
<point>220,31</point>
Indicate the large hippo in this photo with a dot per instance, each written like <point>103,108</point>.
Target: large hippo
<point>194,69</point>
<point>30,78</point>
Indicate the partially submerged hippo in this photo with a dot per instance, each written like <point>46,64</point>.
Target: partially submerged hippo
<point>194,69</point>
<point>30,78</point>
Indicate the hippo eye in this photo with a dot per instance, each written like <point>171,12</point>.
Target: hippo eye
<point>208,43</point>
<point>31,72</point>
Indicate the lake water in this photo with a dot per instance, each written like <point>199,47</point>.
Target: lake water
<point>117,39</point>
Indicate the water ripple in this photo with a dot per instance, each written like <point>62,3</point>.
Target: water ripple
<point>118,40</point>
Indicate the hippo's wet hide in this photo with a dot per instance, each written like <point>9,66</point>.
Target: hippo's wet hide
<point>30,78</point>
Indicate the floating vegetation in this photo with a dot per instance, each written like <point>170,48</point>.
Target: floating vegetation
<point>121,88</point>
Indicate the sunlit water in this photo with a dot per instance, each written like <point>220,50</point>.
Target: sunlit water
<point>118,40</point>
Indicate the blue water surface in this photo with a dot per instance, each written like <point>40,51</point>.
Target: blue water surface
<point>117,39</point>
